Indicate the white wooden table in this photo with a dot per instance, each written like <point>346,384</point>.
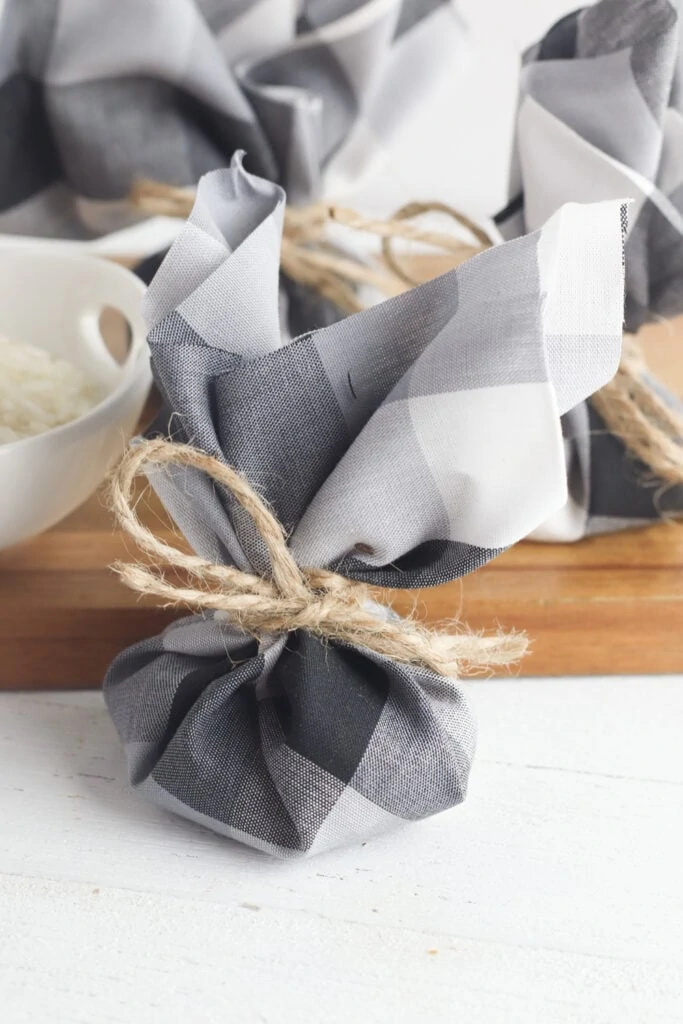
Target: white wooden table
<point>554,895</point>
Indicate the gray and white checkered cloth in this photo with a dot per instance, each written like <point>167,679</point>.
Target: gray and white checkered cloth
<point>404,446</point>
<point>601,116</point>
<point>94,93</point>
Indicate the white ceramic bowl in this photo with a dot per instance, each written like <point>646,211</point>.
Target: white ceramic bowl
<point>52,296</point>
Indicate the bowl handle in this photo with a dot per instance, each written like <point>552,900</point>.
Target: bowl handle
<point>109,285</point>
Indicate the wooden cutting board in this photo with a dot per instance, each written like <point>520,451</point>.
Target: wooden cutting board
<point>606,605</point>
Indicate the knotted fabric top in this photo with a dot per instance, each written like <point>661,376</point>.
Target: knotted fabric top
<point>601,116</point>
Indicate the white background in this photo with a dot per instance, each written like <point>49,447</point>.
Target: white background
<point>461,150</point>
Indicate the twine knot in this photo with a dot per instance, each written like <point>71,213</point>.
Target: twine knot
<point>324,603</point>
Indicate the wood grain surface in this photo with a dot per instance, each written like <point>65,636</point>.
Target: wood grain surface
<point>606,605</point>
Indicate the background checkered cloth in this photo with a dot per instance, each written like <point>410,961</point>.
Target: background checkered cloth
<point>601,116</point>
<point>404,446</point>
<point>94,93</point>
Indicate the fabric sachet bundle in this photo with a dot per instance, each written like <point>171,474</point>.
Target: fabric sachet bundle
<point>601,116</point>
<point>94,94</point>
<point>403,446</point>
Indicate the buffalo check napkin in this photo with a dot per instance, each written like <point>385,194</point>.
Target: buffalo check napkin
<point>404,446</point>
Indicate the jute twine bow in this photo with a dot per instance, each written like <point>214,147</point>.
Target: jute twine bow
<point>324,603</point>
<point>649,430</point>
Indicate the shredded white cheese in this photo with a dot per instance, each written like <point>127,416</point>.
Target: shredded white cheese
<point>38,391</point>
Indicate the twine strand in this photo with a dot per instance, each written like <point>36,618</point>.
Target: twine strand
<point>462,252</point>
<point>322,602</point>
<point>649,428</point>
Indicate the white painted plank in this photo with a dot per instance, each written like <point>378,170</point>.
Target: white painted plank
<point>554,894</point>
<point>80,956</point>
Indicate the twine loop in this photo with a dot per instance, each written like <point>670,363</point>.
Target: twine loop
<point>308,257</point>
<point>322,602</point>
